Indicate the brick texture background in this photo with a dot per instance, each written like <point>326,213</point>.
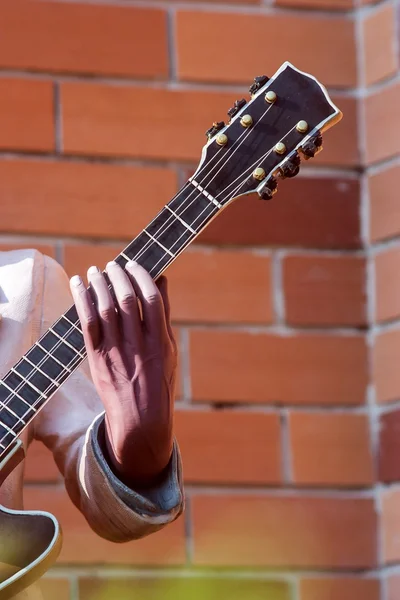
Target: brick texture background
<point>287,313</point>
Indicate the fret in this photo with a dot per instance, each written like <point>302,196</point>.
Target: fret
<point>38,380</point>
<point>19,406</point>
<point>65,353</point>
<point>26,359</point>
<point>6,406</point>
<point>167,207</point>
<point>64,341</point>
<point>51,356</point>
<point>159,243</point>
<point>31,385</point>
<point>125,256</point>
<point>6,437</point>
<point>7,428</point>
<point>10,420</point>
<point>169,232</point>
<point>146,253</point>
<point>70,335</point>
<point>193,208</point>
<point>11,386</point>
<point>73,324</point>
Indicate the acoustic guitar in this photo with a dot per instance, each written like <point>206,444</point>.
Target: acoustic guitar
<point>264,141</point>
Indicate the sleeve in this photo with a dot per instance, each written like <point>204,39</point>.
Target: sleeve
<point>71,426</point>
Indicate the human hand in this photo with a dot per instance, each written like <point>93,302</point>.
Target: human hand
<point>133,359</point>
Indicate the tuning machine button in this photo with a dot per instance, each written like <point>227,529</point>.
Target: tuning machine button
<point>216,127</point>
<point>269,189</point>
<point>290,167</point>
<point>239,104</point>
<point>312,146</point>
<point>259,82</point>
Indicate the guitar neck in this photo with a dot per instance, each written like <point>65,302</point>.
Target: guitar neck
<point>29,385</point>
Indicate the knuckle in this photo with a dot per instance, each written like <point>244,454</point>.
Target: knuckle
<point>153,298</point>
<point>89,323</point>
<point>107,313</point>
<point>128,300</point>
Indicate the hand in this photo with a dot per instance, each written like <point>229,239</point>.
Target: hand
<point>132,357</point>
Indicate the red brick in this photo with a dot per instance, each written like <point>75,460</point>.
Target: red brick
<point>114,40</point>
<point>26,115</point>
<point>382,122</point>
<point>81,199</point>
<point>229,447</point>
<point>284,531</point>
<point>43,248</point>
<point>79,257</point>
<point>221,286</point>
<point>389,446</point>
<point>384,205</point>
<point>340,588</point>
<point>379,34</point>
<point>55,588</point>
<point>315,213</point>
<point>330,449</point>
<point>203,286</point>
<point>40,465</point>
<point>391,525</point>
<point>166,124</point>
<point>198,62</point>
<point>318,4</point>
<point>183,588</point>
<point>301,369</point>
<point>387,285</point>
<point>82,546</point>
<point>325,290</point>
<point>393,587</point>
<point>386,372</point>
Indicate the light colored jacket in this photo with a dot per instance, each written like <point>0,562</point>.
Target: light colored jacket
<point>34,292</point>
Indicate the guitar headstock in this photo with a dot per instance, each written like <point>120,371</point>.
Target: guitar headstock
<point>266,137</point>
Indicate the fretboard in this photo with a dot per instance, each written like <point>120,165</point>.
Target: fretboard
<point>28,386</point>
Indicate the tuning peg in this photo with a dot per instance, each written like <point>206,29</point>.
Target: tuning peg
<point>269,189</point>
<point>312,146</point>
<point>259,82</point>
<point>290,167</point>
<point>217,126</point>
<point>236,107</point>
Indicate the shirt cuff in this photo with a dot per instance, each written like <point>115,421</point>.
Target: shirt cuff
<point>165,498</point>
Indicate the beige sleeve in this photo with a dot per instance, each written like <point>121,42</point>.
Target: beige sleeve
<point>70,426</point>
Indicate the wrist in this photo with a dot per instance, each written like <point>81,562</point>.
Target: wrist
<point>134,461</point>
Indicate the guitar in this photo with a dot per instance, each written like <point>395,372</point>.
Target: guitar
<point>265,140</point>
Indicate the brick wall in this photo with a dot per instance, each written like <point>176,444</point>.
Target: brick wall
<point>287,313</point>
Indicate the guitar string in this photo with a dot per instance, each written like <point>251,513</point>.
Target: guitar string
<point>233,193</point>
<point>170,220</point>
<point>74,362</point>
<point>78,359</point>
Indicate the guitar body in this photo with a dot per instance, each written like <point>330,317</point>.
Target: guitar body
<point>30,540</point>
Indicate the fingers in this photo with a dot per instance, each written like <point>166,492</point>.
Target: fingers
<point>127,302</point>
<point>162,285</point>
<point>154,318</point>
<point>104,304</point>
<point>86,312</point>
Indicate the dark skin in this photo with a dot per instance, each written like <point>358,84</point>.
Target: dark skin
<point>133,358</point>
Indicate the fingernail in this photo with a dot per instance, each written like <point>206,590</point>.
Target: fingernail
<point>76,280</point>
<point>112,263</point>
<point>93,271</point>
<point>131,263</point>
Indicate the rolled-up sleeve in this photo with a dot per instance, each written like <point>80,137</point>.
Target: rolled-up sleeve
<point>71,426</point>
